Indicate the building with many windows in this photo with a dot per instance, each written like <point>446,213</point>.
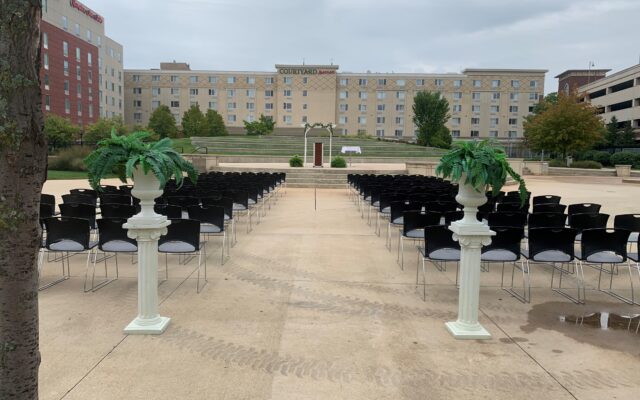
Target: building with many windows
<point>81,68</point>
<point>483,102</point>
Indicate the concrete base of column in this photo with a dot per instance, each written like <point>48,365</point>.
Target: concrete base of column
<point>154,326</point>
<point>460,330</point>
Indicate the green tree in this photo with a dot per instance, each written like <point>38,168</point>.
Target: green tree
<point>60,131</point>
<point>215,124</point>
<point>564,128</point>
<point>163,123</point>
<point>263,126</point>
<point>23,166</point>
<point>545,102</point>
<point>430,114</point>
<point>101,129</point>
<point>193,122</point>
<point>617,136</point>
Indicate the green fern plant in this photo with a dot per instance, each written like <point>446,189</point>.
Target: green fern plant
<point>484,163</point>
<point>122,154</point>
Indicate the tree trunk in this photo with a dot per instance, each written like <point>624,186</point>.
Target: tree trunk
<point>23,159</point>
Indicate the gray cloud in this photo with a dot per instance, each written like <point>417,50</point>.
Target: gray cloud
<point>382,36</point>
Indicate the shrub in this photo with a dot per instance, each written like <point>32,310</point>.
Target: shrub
<point>295,161</point>
<point>338,162</point>
<point>626,158</point>
<point>70,159</point>
<point>586,164</point>
<point>603,157</point>
<point>557,163</point>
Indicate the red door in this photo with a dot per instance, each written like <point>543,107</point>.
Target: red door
<point>317,155</point>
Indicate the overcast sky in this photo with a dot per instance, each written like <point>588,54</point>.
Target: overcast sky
<point>377,35</point>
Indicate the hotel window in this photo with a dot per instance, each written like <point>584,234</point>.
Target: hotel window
<point>45,40</point>
<point>400,107</point>
<point>89,59</point>
<point>231,106</point>
<point>287,93</point>
<point>304,118</point>
<point>99,40</point>
<point>515,84</point>
<point>343,107</point>
<point>268,80</point>
<point>362,95</point>
<point>287,80</point>
<point>268,106</point>
<point>513,134</point>
<point>513,109</point>
<point>475,134</point>
<point>137,116</point>
<point>400,95</point>
<point>231,80</point>
<point>213,105</point>
<point>304,93</point>
<point>362,107</point>
<point>251,93</point>
<point>457,83</point>
<point>287,106</point>
<point>137,103</point>
<point>177,117</point>
<point>79,109</point>
<point>90,110</point>
<point>66,87</point>
<point>457,108</point>
<point>531,109</point>
<point>495,96</point>
<point>342,120</point>
<point>495,109</point>
<point>343,94</point>
<point>533,84</point>
<point>362,82</point>
<point>495,83</point>
<point>78,54</point>
<point>47,103</point>
<point>46,61</point>
<point>155,104</point>
<point>475,121</point>
<point>287,119</point>
<point>268,93</point>
<point>381,95</point>
<point>398,132</point>
<point>475,96</point>
<point>65,49</point>
<point>493,121</point>
<point>79,90</point>
<point>513,121</point>
<point>212,92</point>
<point>400,82</point>
<point>379,132</point>
<point>305,80</point>
<point>439,82</point>
<point>455,121</point>
<point>65,66</point>
<point>457,95</point>
<point>362,120</point>
<point>135,78</point>
<point>513,96</point>
<point>344,81</point>
<point>155,78</point>
<point>213,80</point>
<point>88,36</point>
<point>381,107</point>
<point>380,120</point>
<point>251,80</point>
<point>493,134</point>
<point>533,96</point>
<point>155,91</point>
<point>65,23</point>
<point>475,108</point>
<point>455,133</point>
<point>193,79</point>
<point>251,106</point>
<point>419,82</point>
<point>399,120</point>
<point>477,83</point>
<point>193,92</point>
<point>304,106</point>
<point>231,92</point>
<point>67,106</point>
<point>46,81</point>
<point>175,91</point>
<point>382,82</point>
<point>231,118</point>
<point>173,78</point>
<point>78,73</point>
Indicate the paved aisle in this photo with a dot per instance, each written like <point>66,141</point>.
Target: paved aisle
<point>312,306</point>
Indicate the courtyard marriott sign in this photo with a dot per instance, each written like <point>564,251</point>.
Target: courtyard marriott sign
<point>305,71</point>
<point>86,10</point>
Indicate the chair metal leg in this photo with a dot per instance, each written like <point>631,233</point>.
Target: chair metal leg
<point>618,296</point>
<point>579,272</point>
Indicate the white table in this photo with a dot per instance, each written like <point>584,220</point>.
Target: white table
<point>351,150</point>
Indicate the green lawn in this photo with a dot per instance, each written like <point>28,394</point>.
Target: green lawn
<point>183,145</point>
<point>56,175</point>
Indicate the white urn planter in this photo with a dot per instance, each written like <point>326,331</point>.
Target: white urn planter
<point>147,227</point>
<point>472,235</point>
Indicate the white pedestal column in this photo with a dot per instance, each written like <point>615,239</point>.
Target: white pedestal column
<point>472,235</point>
<point>147,227</point>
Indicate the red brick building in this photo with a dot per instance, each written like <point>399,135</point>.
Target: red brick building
<point>570,80</point>
<point>69,75</point>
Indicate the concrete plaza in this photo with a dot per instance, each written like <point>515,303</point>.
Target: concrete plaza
<point>312,305</point>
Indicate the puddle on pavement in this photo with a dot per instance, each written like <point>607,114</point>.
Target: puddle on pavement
<point>605,320</point>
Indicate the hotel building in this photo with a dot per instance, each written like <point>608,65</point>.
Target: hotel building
<point>81,68</point>
<point>483,102</point>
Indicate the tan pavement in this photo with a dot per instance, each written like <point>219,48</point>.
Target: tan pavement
<point>312,305</point>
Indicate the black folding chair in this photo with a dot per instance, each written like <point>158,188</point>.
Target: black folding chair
<point>183,238</point>
<point>439,248</point>
<point>211,224</point>
<point>413,226</point>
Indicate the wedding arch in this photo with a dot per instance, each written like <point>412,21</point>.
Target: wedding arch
<point>318,125</point>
